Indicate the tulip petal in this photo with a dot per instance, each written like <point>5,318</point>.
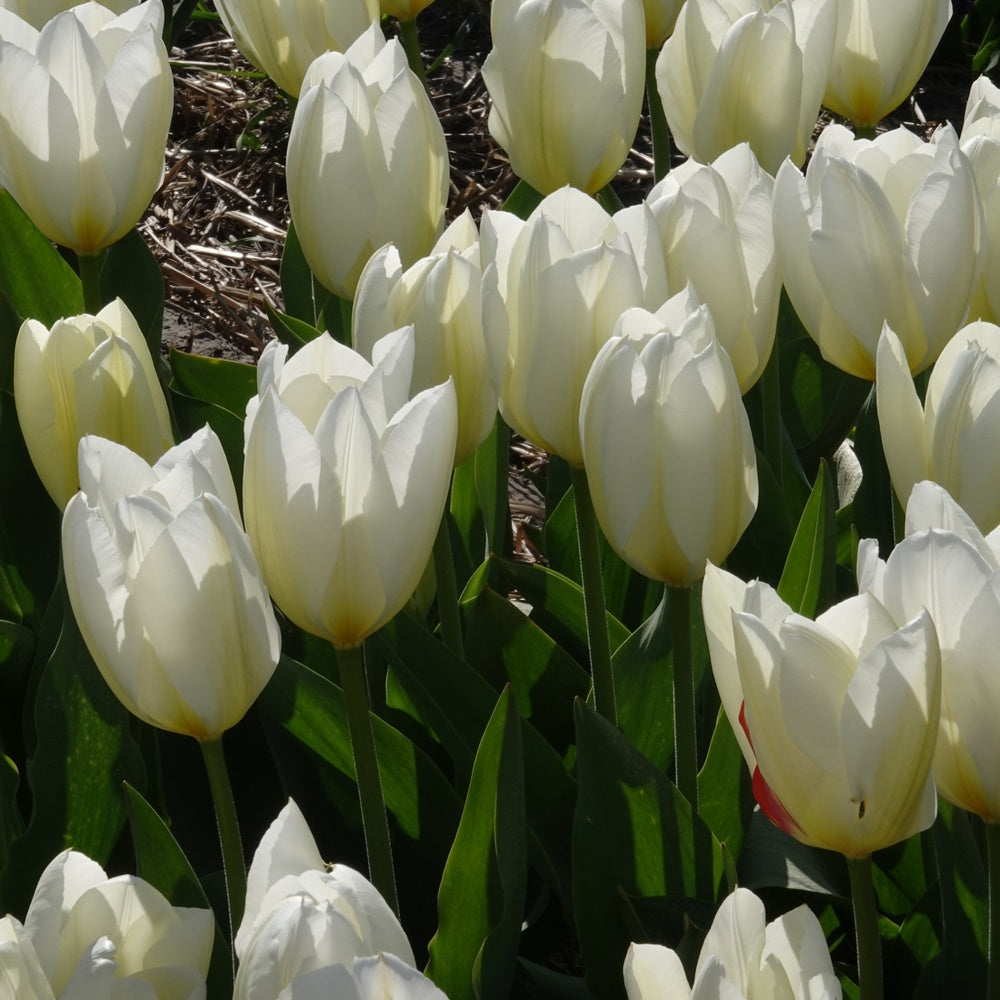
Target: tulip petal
<point>652,971</point>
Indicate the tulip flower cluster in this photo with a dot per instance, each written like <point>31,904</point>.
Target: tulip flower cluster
<point>539,744</point>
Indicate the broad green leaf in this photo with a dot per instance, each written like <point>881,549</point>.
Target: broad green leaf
<point>311,708</point>
<point>130,272</point>
<point>34,278</point>
<point>454,703</point>
<point>11,823</point>
<point>192,414</point>
<point>506,646</point>
<point>481,899</point>
<point>304,297</point>
<point>634,835</point>
<point>290,330</point>
<point>873,504</point>
<point>85,751</point>
<point>161,862</point>
<point>808,582</point>
<point>725,799</point>
<point>522,200</point>
<point>229,384</point>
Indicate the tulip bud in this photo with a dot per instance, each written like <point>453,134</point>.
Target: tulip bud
<point>553,288</point>
<point>951,439</point>
<point>303,915</point>
<point>165,587</point>
<point>404,10</point>
<point>86,935</point>
<point>742,956</point>
<point>879,231</point>
<point>750,71</point>
<point>661,16</point>
<point>716,227</point>
<point>345,482</point>
<point>667,446</point>
<point>944,564</point>
<point>38,12</point>
<point>880,51</point>
<point>282,37</point>
<point>440,297</point>
<point>84,110</point>
<point>367,162</point>
<point>86,375</point>
<point>840,715</point>
<point>566,80</point>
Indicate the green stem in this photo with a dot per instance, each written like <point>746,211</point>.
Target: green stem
<point>685,731</point>
<point>866,928</point>
<point>993,864</point>
<point>359,723</point>
<point>229,829</point>
<point>411,46</point>
<point>593,599</point>
<point>447,589</point>
<point>864,131</point>
<point>657,119</point>
<point>89,266</point>
<point>771,399</point>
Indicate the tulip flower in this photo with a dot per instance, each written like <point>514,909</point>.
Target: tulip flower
<point>367,162</point>
<point>980,141</point>
<point>742,956</point>
<point>282,37</point>
<point>840,714</point>
<point>86,375</point>
<point>951,439</point>
<point>884,230</point>
<point>165,587</point>
<point>661,16</point>
<point>91,937</point>
<point>303,915</point>
<point>748,71</point>
<point>85,105</point>
<point>567,79</point>
<point>945,565</point>
<point>667,445</point>
<point>38,12</point>
<point>440,296</point>
<point>404,10</point>
<point>345,482</point>
<point>880,50</point>
<point>378,977</point>
<point>715,225</point>
<point>553,288</point>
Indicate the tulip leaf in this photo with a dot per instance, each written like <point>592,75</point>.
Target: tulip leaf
<point>725,799</point>
<point>634,835</point>
<point>454,703</point>
<point>506,646</point>
<point>522,200</point>
<point>557,604</point>
<point>130,272</point>
<point>808,582</point>
<point>11,824</point>
<point>34,278</point>
<point>473,955</point>
<point>304,297</point>
<point>819,403</point>
<point>875,501</point>
<point>85,751</point>
<point>229,384</point>
<point>290,330</point>
<point>161,862</point>
<point>193,413</point>
<point>311,708</point>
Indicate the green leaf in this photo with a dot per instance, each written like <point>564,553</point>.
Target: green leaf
<point>522,200</point>
<point>192,414</point>
<point>634,835</point>
<point>130,272</point>
<point>874,502</point>
<point>290,330</point>
<point>304,297</point>
<point>725,798</point>
<point>481,901</point>
<point>229,384</point>
<point>808,582</point>
<point>311,708</point>
<point>161,862</point>
<point>506,646</point>
<point>34,278</point>
<point>11,824</point>
<point>85,751</point>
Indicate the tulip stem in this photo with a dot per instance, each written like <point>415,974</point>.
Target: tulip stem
<point>447,589</point>
<point>866,928</point>
<point>993,866</point>
<point>411,46</point>
<point>229,829</point>
<point>771,398</point>
<point>373,818</point>
<point>685,726</point>
<point>598,641</point>
<point>657,119</point>
<point>89,266</point>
